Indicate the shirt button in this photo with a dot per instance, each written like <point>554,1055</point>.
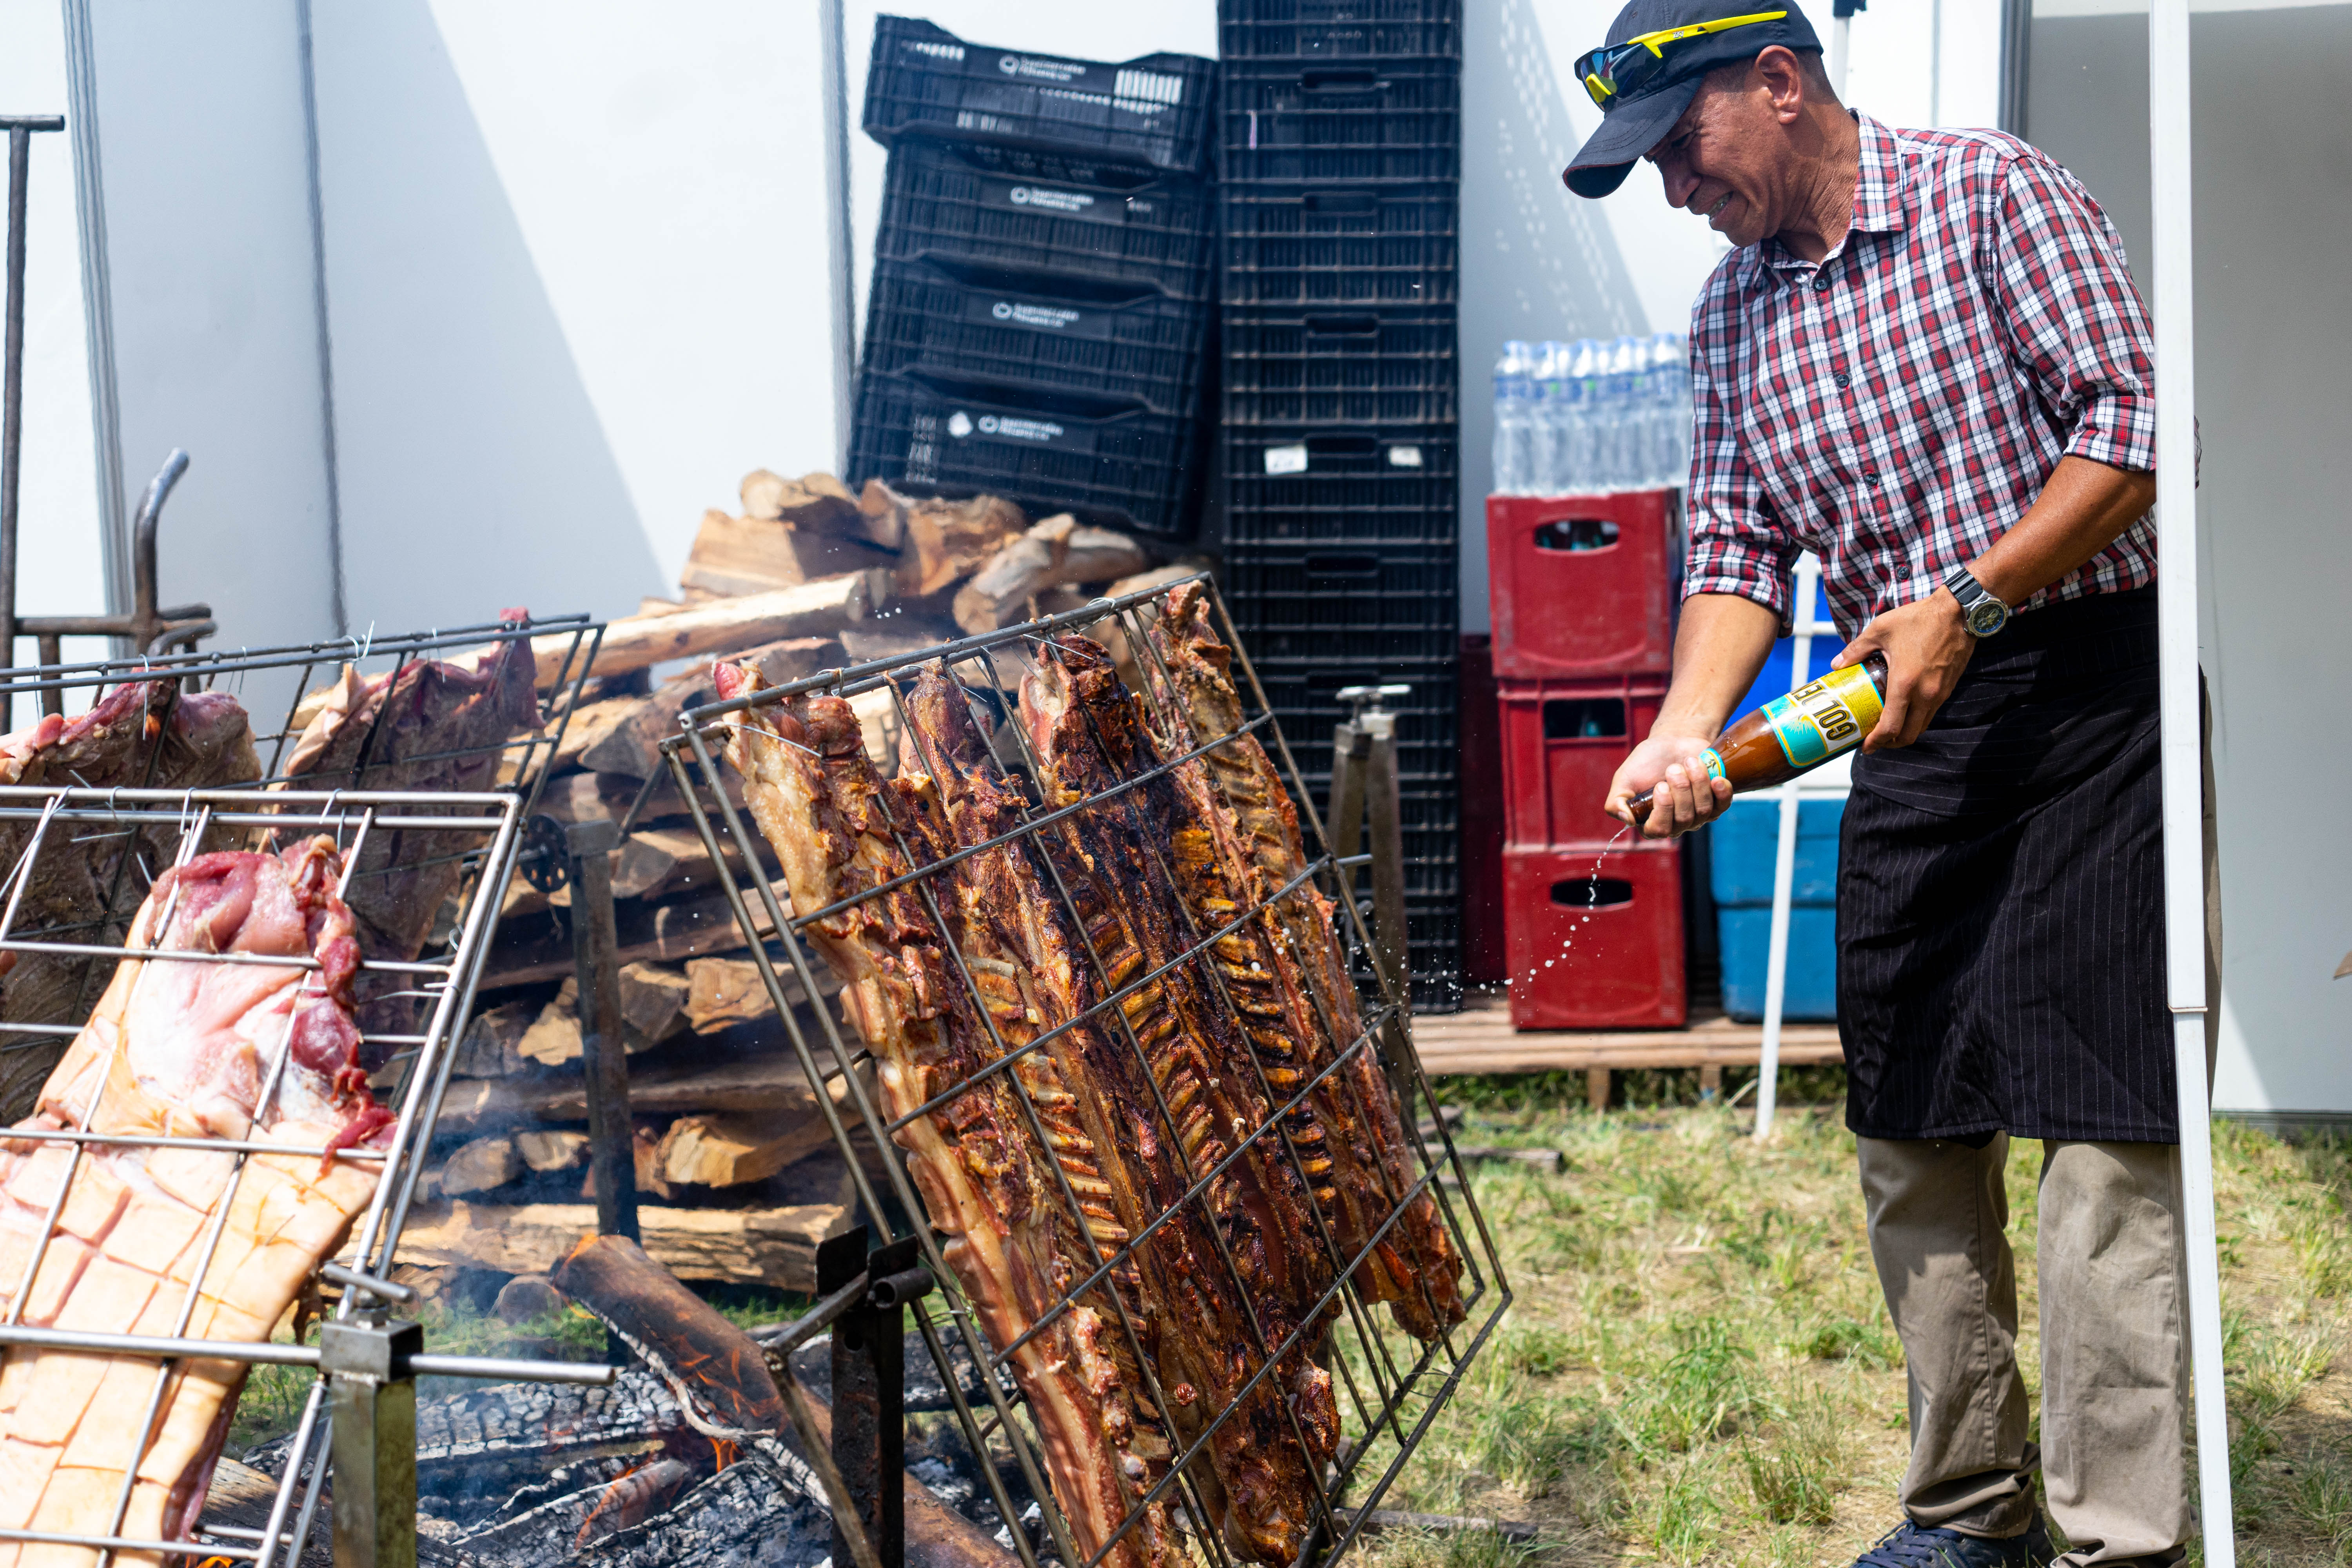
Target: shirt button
<point>1870,479</point>
<point>1820,280</point>
<point>1842,378</point>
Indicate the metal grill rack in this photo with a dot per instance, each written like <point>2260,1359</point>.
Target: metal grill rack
<point>1394,1387</point>
<point>60,820</point>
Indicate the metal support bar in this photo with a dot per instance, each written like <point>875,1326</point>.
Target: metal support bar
<point>367,1359</point>
<point>869,1383</point>
<point>1364,782</point>
<point>20,128</point>
<point>595,948</point>
<point>1784,863</point>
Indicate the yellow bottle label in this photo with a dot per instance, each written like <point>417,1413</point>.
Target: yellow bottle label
<point>1818,720</point>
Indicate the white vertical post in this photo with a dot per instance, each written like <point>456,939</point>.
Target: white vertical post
<point>1784,864</point>
<point>1935,63</point>
<point>2184,875</point>
<point>1841,35</point>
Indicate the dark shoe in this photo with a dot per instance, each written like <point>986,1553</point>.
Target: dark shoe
<point>1909,1546</point>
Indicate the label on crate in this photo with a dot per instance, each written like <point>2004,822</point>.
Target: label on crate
<point>1402,457</point>
<point>1021,429</point>
<point>1041,70</point>
<point>1039,315</point>
<point>1287,460</point>
<point>1028,195</point>
<point>1822,717</point>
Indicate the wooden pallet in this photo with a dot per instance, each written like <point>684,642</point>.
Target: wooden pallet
<point>1480,1039</point>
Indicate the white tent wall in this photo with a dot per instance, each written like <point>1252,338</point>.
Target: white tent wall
<point>61,562</point>
<point>2273,192</point>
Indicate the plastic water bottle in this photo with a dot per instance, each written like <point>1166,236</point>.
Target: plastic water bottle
<point>1587,368</point>
<point>1552,389</point>
<point>1515,420</point>
<point>1671,383</point>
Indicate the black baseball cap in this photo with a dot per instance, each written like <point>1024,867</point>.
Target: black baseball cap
<point>1637,121</point>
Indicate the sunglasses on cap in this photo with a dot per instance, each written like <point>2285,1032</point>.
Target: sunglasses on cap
<point>1616,70</point>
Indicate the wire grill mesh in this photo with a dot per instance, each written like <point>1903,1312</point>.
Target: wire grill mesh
<point>1392,1385</point>
<point>477,831</point>
<point>61,821</point>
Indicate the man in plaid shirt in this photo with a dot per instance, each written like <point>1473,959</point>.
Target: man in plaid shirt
<point>1924,361</point>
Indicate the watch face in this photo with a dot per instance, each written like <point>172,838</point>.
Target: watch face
<point>1987,616</point>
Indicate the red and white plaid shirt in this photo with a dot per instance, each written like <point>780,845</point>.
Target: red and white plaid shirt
<point>1897,407</point>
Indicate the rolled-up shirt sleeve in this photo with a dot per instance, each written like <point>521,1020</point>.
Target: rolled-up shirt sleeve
<point>1737,544</point>
<point>2074,317</point>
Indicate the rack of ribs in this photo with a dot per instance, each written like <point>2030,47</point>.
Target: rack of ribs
<point>141,734</point>
<point>176,1242</point>
<point>1035,964</point>
<point>1253,826</point>
<point>837,829</point>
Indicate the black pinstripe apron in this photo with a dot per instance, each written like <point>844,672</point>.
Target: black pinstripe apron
<point>2000,913</point>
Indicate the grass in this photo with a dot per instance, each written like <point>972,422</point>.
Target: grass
<point>1698,1367</point>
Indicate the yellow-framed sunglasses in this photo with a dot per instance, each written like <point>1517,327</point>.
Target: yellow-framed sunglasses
<point>1614,71</point>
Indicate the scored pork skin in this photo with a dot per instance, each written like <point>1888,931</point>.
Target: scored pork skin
<point>181,1050</point>
<point>84,886</point>
<point>1195,1326</point>
<point>829,815</point>
<point>1420,1270</point>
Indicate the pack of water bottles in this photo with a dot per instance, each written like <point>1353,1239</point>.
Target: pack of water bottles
<point>1592,417</point>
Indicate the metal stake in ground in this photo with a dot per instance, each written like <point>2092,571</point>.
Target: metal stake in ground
<point>612,1160</point>
<point>1364,775</point>
<point>869,1383</point>
<point>366,1359</point>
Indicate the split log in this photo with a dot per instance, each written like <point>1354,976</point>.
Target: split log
<point>638,642</point>
<point>754,555</point>
<point>554,1036</point>
<point>813,503</point>
<point>1158,577</point>
<point>882,515</point>
<point>660,862</point>
<point>721,993</point>
<point>951,538</point>
<point>557,1150</point>
<point>525,1297</point>
<point>632,747</point>
<point>489,1047</point>
<point>693,927</point>
<point>586,797</point>
<point>587,726</point>
<point>478,1166</point>
<point>772,1247</point>
<point>1058,550</point>
<point>653,1001</point>
<point>768,1083</point>
<point>645,1151</point>
<point>728,1150</point>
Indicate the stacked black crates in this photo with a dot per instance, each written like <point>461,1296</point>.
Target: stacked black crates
<point>1339,180</point>
<point>1043,279</point>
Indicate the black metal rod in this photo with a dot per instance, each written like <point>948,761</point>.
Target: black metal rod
<point>612,1158</point>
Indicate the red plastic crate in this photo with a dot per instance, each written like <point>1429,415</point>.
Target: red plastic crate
<point>1555,771</point>
<point>1621,968</point>
<point>1583,586</point>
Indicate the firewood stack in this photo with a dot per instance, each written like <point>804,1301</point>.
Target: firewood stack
<point>736,1174</point>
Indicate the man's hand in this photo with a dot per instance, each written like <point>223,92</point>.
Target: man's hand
<point>1686,797</point>
<point>1926,647</point>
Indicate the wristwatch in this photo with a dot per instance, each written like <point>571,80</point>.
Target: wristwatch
<point>1981,613</point>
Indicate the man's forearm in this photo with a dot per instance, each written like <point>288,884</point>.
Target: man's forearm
<point>1721,646</point>
<point>2084,507</point>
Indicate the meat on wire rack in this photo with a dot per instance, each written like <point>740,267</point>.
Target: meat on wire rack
<point>194,823</point>
<point>157,740</point>
<point>1395,1387</point>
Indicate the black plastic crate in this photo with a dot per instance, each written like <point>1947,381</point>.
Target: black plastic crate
<point>1125,466</point>
<point>1389,119</point>
<point>1315,245</point>
<point>948,204</point>
<point>1349,605</point>
<point>926,81</point>
<point>1320,30</point>
<point>1397,366</point>
<point>1303,691</point>
<point>1293,488</point>
<point>1038,331</point>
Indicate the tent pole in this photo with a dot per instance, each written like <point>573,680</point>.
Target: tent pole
<point>2169,160</point>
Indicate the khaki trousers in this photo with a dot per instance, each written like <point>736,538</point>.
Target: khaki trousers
<point>2113,1302</point>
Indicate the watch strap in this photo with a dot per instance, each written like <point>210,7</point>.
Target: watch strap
<point>1963,585</point>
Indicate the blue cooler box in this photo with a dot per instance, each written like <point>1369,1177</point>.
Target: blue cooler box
<point>1746,842</point>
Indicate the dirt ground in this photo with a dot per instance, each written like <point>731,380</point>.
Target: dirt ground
<point>1698,1366</point>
